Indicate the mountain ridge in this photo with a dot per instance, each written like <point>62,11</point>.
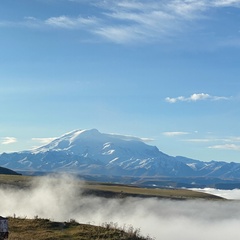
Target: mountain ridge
<point>92,152</point>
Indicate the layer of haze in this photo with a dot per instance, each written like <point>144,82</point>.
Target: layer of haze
<point>59,198</point>
<point>228,194</point>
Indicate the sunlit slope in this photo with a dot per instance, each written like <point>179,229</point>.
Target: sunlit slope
<point>113,190</point>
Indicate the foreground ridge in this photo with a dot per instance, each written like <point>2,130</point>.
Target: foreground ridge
<point>42,229</point>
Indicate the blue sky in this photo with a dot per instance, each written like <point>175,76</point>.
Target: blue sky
<point>164,70</point>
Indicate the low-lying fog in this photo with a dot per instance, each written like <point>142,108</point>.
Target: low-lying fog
<point>59,199</point>
<point>228,194</point>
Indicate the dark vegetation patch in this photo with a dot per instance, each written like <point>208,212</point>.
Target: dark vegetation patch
<point>8,171</point>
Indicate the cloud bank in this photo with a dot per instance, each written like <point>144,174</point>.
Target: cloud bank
<point>59,198</point>
<point>228,194</point>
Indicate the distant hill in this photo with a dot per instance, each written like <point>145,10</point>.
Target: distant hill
<point>8,171</point>
<point>89,152</point>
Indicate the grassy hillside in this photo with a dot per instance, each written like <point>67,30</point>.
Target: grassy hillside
<point>18,181</point>
<point>121,191</point>
<point>43,229</point>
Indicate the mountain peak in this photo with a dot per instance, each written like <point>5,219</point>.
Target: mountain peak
<point>77,132</point>
<point>99,145</point>
<point>66,141</point>
<point>92,152</point>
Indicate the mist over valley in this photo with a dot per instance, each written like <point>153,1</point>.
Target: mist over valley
<point>60,198</point>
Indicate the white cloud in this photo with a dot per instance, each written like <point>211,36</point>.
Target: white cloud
<point>215,139</point>
<point>173,100</point>
<point>69,23</point>
<point>198,140</point>
<point>195,97</point>
<point>132,138</point>
<point>138,21</point>
<point>120,35</point>
<point>30,18</point>
<point>147,139</point>
<point>188,9</point>
<point>8,140</point>
<point>233,139</point>
<point>233,147</point>
<point>199,96</point>
<point>127,21</point>
<point>61,22</point>
<point>43,140</point>
<point>227,143</point>
<point>162,20</point>
<point>153,20</point>
<point>226,3</point>
<point>173,134</point>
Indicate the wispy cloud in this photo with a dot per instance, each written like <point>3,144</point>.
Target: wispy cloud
<point>69,23</point>
<point>226,147</point>
<point>130,138</point>
<point>127,21</point>
<point>43,140</point>
<point>173,134</point>
<point>153,20</point>
<point>195,97</point>
<point>224,143</point>
<point>147,139</point>
<point>232,139</point>
<point>61,22</point>
<point>139,20</point>
<point>199,140</point>
<point>226,3</point>
<point>8,140</point>
<point>119,35</point>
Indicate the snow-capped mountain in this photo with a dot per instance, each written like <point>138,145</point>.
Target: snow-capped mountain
<point>92,152</point>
